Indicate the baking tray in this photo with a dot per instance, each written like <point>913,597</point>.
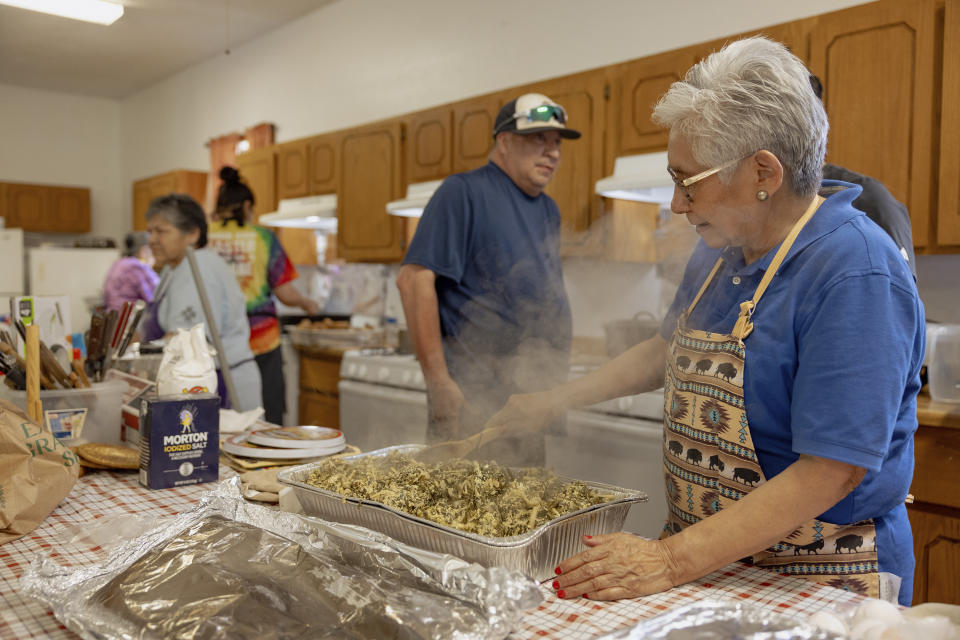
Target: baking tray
<point>536,553</point>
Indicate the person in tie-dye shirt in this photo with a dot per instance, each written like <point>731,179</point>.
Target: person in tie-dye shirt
<point>264,271</point>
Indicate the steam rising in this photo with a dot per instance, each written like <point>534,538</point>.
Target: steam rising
<point>510,343</point>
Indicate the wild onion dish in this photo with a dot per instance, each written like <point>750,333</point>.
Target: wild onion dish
<point>478,497</point>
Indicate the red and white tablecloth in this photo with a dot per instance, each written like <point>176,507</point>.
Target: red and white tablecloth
<point>106,494</point>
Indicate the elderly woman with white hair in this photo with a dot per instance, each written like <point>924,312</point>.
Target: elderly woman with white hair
<point>790,356</point>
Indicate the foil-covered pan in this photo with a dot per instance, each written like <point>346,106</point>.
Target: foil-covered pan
<point>720,620</point>
<point>230,569</point>
<point>535,553</point>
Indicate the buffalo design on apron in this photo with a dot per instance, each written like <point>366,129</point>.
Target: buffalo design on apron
<point>709,458</point>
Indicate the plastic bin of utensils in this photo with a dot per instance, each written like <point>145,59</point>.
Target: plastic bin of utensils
<point>77,416</point>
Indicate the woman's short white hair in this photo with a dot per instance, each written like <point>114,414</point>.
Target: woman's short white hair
<point>753,94</point>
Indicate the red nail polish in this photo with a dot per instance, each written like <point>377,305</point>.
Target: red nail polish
<point>561,594</point>
<point>588,537</point>
<point>557,571</point>
<point>556,585</point>
<point>585,597</point>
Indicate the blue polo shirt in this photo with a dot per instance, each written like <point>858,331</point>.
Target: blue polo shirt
<point>499,284</point>
<point>833,364</point>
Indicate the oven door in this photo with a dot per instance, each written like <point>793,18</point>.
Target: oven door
<point>373,416</point>
<point>625,452</point>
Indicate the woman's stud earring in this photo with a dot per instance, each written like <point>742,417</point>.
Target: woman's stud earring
<point>762,195</point>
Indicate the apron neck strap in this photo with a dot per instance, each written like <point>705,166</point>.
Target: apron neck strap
<point>743,327</point>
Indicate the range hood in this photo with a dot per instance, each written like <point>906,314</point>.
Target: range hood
<point>418,194</point>
<point>312,212</point>
<point>642,178</point>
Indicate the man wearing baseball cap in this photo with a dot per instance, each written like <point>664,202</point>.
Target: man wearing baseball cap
<point>482,286</point>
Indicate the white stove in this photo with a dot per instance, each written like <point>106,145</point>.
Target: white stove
<point>383,366</point>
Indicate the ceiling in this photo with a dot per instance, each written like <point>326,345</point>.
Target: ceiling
<point>153,40</point>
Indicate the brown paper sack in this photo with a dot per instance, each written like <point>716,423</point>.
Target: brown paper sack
<point>36,472</point>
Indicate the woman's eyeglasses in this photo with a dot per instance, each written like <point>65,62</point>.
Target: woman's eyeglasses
<point>683,185</point>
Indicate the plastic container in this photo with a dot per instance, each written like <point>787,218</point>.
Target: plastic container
<point>943,363</point>
<point>102,401</point>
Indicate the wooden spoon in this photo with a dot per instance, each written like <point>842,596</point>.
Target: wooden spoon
<point>459,448</point>
<point>34,406</point>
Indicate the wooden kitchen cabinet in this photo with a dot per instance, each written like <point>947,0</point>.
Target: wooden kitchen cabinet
<point>322,164</point>
<point>305,167</point>
<point>370,177</point>
<point>429,144</point>
<point>947,229</point>
<point>636,87</point>
<point>935,512</point>
<point>258,169</point>
<point>879,63</point>
<point>192,183</point>
<point>319,396</point>
<point>45,208</point>
<point>293,173</point>
<point>582,95</point>
<point>473,129</point>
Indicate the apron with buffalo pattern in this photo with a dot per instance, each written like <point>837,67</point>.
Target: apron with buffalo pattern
<point>709,458</point>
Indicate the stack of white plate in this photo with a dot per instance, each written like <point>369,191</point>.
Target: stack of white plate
<point>286,443</point>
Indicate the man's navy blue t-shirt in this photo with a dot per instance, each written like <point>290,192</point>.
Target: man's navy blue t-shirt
<point>500,288</point>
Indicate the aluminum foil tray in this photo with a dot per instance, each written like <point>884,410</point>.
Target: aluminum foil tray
<point>535,553</point>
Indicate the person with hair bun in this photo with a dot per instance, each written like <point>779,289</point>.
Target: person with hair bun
<point>174,223</point>
<point>132,277</point>
<point>263,271</point>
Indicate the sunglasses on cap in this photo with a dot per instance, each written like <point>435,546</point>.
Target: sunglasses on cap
<point>543,113</point>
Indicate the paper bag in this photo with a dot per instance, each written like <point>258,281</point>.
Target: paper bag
<point>36,472</point>
<point>187,365</point>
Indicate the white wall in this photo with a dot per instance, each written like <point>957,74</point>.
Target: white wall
<point>57,138</point>
<point>357,61</point>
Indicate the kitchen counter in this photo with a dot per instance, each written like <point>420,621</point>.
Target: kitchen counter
<point>935,511</point>
<point>931,413</point>
<point>112,494</point>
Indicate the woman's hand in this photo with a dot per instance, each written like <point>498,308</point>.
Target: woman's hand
<point>617,566</point>
<point>526,412</point>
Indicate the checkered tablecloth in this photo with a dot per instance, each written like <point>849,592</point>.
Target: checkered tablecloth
<point>113,495</point>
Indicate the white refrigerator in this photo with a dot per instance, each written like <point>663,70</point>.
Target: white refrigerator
<point>11,264</point>
<point>78,273</point>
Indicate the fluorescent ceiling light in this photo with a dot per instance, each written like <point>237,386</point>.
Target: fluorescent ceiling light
<point>642,178</point>
<point>418,195</point>
<point>312,212</point>
<point>98,11</point>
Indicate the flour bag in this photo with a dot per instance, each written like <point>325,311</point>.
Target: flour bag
<point>187,365</point>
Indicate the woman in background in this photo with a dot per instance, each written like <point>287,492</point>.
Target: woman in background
<point>132,277</point>
<point>176,222</point>
<point>263,271</point>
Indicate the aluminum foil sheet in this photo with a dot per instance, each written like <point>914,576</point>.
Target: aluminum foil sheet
<point>233,569</point>
<point>720,620</point>
<point>535,553</point>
